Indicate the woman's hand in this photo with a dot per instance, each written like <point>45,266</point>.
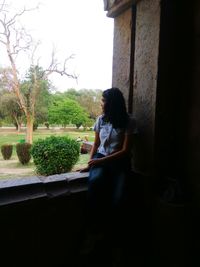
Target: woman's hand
<point>91,162</point>
<point>94,162</point>
<point>86,169</point>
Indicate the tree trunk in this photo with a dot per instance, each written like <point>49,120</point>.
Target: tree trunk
<point>19,127</point>
<point>29,129</point>
<point>17,124</point>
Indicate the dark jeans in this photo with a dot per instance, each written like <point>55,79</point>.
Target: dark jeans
<point>106,185</point>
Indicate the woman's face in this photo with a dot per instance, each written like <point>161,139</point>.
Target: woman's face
<point>103,102</point>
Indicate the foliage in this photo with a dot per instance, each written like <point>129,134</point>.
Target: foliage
<point>10,137</point>
<point>35,125</point>
<point>47,124</point>
<point>88,99</point>
<point>16,40</point>
<point>22,141</point>
<point>23,152</point>
<point>65,111</point>
<point>36,91</point>
<point>55,155</point>
<point>88,123</point>
<point>72,94</point>
<point>6,151</point>
<point>10,108</point>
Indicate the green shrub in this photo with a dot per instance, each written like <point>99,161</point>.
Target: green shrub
<point>55,155</point>
<point>6,151</point>
<point>23,152</point>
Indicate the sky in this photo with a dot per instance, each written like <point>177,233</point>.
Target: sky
<point>78,27</point>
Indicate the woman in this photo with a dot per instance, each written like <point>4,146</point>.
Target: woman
<point>110,157</point>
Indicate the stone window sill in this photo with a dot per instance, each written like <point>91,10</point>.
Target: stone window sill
<point>35,187</point>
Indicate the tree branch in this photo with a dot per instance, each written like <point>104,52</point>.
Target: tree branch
<point>54,67</point>
<point>2,6</point>
<point>13,19</point>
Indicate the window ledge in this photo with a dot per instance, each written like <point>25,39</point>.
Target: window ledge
<point>29,188</point>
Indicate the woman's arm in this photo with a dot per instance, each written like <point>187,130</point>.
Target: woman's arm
<point>127,144</point>
<point>95,145</point>
<point>93,151</point>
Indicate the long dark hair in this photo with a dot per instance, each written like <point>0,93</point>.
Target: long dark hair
<point>115,108</point>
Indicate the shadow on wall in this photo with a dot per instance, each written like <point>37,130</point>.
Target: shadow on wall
<point>142,155</point>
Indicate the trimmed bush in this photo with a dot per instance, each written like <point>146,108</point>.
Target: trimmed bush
<point>55,155</point>
<point>23,152</point>
<point>6,151</point>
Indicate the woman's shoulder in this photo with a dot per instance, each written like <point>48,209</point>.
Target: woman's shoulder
<point>99,119</point>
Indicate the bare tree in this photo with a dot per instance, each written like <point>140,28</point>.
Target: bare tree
<point>15,40</point>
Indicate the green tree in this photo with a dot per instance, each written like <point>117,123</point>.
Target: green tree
<point>36,91</point>
<point>72,94</point>
<point>89,99</point>
<point>9,103</point>
<point>14,40</point>
<point>10,109</point>
<point>65,111</point>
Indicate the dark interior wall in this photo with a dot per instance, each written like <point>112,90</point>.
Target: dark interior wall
<point>173,220</point>
<point>174,88</point>
<point>194,109</point>
<point>43,232</point>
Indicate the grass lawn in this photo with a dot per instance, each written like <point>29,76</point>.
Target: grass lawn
<point>13,168</point>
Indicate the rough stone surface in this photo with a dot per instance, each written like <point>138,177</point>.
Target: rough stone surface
<point>8,183</point>
<point>145,76</point>
<point>145,72</point>
<point>70,176</point>
<point>121,52</point>
<point>36,187</point>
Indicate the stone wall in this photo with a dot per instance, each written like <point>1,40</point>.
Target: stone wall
<point>135,57</point>
<point>145,77</point>
<point>121,52</point>
<point>166,103</point>
<point>42,219</point>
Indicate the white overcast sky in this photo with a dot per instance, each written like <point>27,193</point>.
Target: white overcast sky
<point>80,27</point>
